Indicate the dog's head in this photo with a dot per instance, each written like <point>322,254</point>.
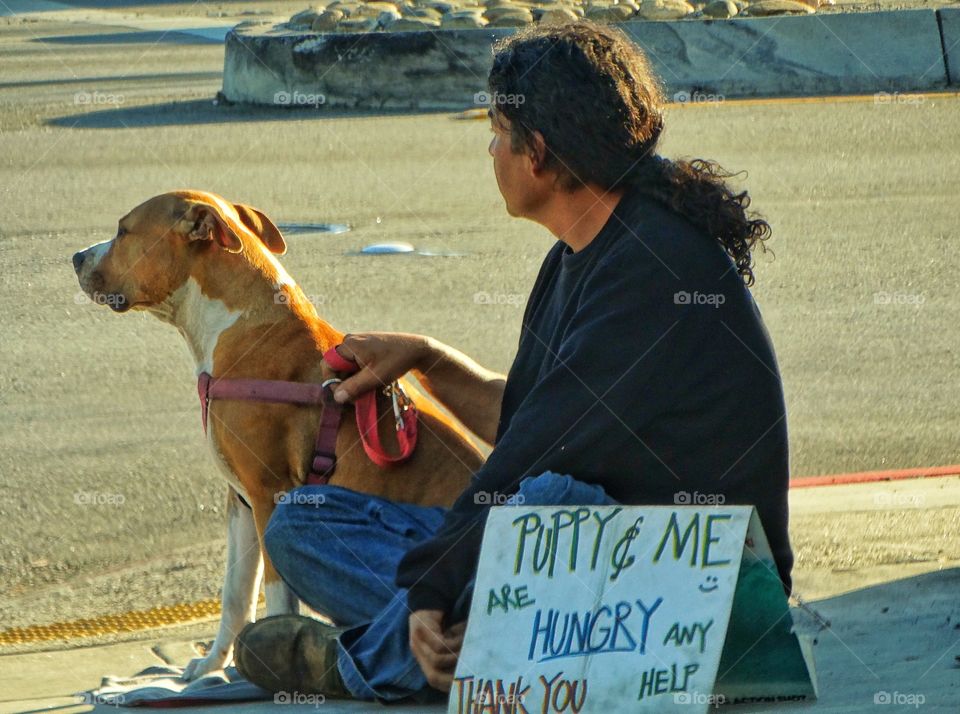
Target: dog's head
<point>161,242</point>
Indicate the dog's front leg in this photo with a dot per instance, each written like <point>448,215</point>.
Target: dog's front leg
<point>240,587</point>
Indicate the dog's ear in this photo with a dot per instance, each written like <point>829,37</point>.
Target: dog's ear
<point>262,227</point>
<point>203,221</point>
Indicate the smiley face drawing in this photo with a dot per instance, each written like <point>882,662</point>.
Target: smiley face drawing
<point>710,585</point>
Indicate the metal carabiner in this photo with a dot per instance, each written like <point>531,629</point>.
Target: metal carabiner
<point>400,403</point>
<point>326,383</point>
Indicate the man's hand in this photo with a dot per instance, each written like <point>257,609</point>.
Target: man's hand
<point>383,357</point>
<point>436,649</point>
<point>471,392</point>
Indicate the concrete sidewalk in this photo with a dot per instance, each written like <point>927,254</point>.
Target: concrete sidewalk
<point>882,634</point>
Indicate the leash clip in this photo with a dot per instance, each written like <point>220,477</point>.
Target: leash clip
<point>400,403</point>
<point>326,383</point>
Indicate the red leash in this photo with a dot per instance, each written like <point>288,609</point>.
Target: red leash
<point>324,453</point>
<point>366,407</point>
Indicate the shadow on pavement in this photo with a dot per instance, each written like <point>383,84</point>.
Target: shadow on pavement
<point>105,79</point>
<point>121,4</point>
<point>152,37</point>
<point>898,640</point>
<point>204,111</point>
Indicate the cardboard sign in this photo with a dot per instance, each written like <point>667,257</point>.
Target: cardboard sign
<point>623,609</point>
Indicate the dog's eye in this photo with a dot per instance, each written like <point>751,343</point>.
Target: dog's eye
<point>121,231</point>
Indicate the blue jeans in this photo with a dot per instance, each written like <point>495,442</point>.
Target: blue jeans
<point>338,550</point>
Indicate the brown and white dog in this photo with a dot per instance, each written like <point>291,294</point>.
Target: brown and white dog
<point>207,266</point>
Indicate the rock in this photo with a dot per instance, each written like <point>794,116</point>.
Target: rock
<point>558,16</point>
<point>388,17</point>
<point>630,4</point>
<point>764,8</point>
<point>494,13</point>
<point>440,6</point>
<point>463,23</point>
<point>349,9</point>
<point>463,20</point>
<point>609,13</point>
<point>357,24</point>
<point>721,9</point>
<point>664,9</point>
<point>427,13</point>
<point>375,8</point>
<point>328,20</point>
<point>510,17</point>
<point>304,20</point>
<point>407,24</point>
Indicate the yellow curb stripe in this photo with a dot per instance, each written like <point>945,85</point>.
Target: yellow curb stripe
<point>132,621</point>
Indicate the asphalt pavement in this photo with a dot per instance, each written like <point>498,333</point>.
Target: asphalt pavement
<point>108,499</point>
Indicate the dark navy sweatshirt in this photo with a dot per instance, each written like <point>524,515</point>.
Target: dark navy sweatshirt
<point>644,367</point>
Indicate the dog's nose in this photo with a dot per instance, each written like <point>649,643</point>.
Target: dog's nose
<point>77,260</point>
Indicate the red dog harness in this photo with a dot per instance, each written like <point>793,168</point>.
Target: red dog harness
<point>324,452</point>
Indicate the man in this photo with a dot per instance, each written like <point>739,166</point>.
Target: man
<point>643,371</point>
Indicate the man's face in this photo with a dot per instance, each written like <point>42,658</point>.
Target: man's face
<point>519,183</point>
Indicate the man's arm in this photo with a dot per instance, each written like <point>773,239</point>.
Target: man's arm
<point>472,393</point>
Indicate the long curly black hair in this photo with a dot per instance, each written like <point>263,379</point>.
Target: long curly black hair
<point>594,98</point>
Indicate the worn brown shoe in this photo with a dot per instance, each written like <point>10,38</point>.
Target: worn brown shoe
<point>290,653</point>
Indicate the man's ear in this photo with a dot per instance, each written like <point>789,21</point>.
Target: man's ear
<point>537,152</point>
<point>262,227</point>
<point>202,221</point>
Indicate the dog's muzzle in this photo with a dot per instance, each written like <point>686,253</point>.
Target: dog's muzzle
<point>92,283</point>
